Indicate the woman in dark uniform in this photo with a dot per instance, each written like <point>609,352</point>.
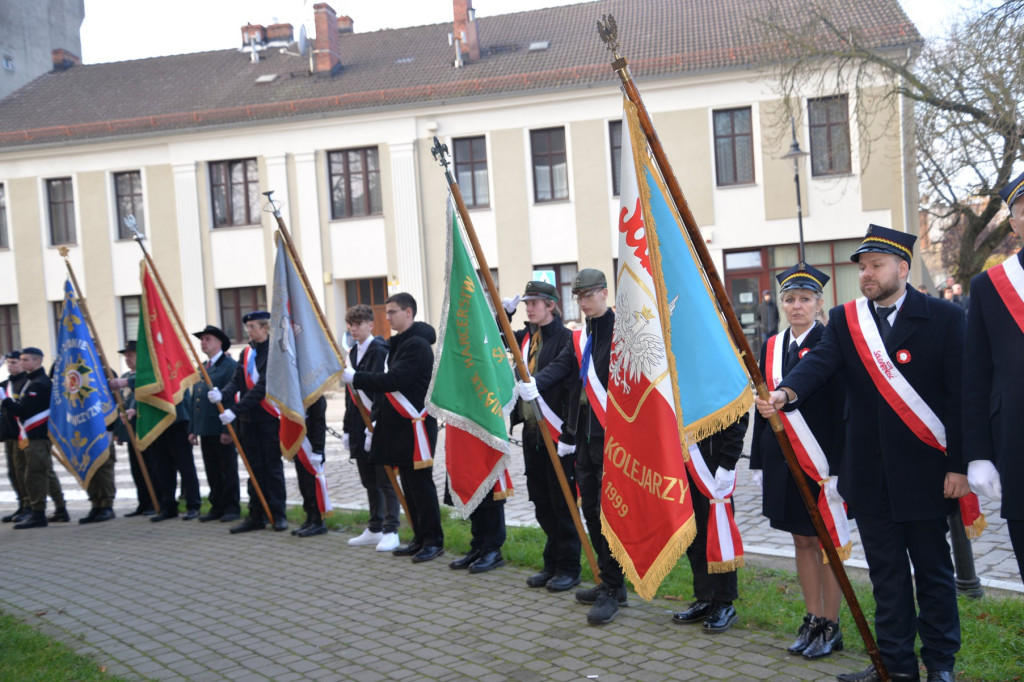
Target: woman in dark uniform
<point>801,291</point>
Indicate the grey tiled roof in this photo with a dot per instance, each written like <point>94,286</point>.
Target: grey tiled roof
<point>412,66</point>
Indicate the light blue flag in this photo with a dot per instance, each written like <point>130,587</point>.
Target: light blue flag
<point>81,405</point>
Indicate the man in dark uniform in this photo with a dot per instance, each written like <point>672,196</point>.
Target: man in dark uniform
<point>548,337</point>
<point>219,456</point>
<point>405,428</point>
<point>903,465</point>
<point>994,379</point>
<point>316,433</point>
<point>126,384</point>
<point>11,386</point>
<point>585,361</point>
<point>367,355</point>
<point>31,410</point>
<point>260,425</point>
<point>172,454</point>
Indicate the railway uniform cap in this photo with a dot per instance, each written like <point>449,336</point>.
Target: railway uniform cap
<point>802,276</point>
<point>885,240</point>
<point>1013,191</point>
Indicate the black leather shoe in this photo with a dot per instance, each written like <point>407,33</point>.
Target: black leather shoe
<point>163,516</point>
<point>721,618</point>
<point>312,529</point>
<point>427,553</point>
<point>14,517</point>
<point>190,514</point>
<point>60,515</point>
<point>869,674</point>
<point>540,579</point>
<point>91,516</point>
<point>488,562</point>
<point>249,524</point>
<point>105,514</point>
<point>940,676</point>
<point>697,612</point>
<point>562,582</point>
<point>229,517</point>
<point>281,524</point>
<point>588,595</point>
<point>212,516</point>
<point>606,605</point>
<point>25,515</point>
<point>464,561</point>
<point>411,549</point>
<point>827,638</point>
<point>139,511</point>
<point>34,520</point>
<point>804,635</point>
<point>149,512</point>
<point>301,528</point>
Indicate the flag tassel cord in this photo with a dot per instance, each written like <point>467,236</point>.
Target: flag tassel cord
<point>440,152</point>
<point>180,330</point>
<point>111,375</point>
<point>608,32</point>
<point>287,237</point>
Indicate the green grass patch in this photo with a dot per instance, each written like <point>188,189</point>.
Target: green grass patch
<point>30,656</point>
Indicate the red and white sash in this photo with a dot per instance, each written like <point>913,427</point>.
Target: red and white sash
<point>29,424</point>
<point>596,391</point>
<point>911,408</point>
<point>724,545</point>
<point>812,458</point>
<point>360,396</point>
<point>552,420</point>
<point>1008,279</point>
<point>422,456</point>
<point>252,376</point>
<point>314,464</point>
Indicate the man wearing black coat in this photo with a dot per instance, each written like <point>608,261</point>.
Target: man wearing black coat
<point>11,386</point>
<point>407,433</point>
<point>900,478</point>
<point>316,434</point>
<point>994,379</point>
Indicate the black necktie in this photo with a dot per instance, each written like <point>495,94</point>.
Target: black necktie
<point>883,320</point>
<point>791,355</point>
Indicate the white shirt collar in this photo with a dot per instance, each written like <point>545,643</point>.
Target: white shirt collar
<point>215,358</point>
<point>361,348</point>
<point>799,340</point>
<point>898,304</point>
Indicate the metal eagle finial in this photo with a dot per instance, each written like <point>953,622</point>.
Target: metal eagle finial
<point>609,32</point>
<point>440,152</point>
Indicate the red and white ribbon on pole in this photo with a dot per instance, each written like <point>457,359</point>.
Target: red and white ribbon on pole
<point>314,464</point>
<point>422,456</point>
<point>29,424</point>
<point>724,545</point>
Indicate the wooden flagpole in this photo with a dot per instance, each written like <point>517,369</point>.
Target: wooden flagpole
<point>608,31</point>
<point>287,237</point>
<point>180,327</point>
<point>440,152</point>
<point>111,375</point>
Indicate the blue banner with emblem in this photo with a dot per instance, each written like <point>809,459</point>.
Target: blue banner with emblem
<point>81,405</point>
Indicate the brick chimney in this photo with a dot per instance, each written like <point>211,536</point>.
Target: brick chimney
<point>282,33</point>
<point>326,51</point>
<point>253,34</point>
<point>345,24</point>
<point>64,60</point>
<point>465,29</point>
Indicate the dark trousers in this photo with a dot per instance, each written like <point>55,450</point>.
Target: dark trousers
<point>141,491</point>
<point>13,474</point>
<point>381,496</point>
<point>172,454</point>
<point>589,470</point>
<point>101,489</point>
<point>487,525</point>
<point>721,587</point>
<point>307,488</point>
<point>887,546</point>
<point>221,463</point>
<point>1016,529</point>
<point>421,496</point>
<point>563,545</point>
<point>263,448</point>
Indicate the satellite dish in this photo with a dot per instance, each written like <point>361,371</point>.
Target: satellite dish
<point>303,41</point>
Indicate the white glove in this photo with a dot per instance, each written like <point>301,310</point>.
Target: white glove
<point>348,375</point>
<point>528,390</point>
<point>214,395</point>
<point>226,417</point>
<point>509,304</point>
<point>564,449</point>
<point>344,442</point>
<point>832,486</point>
<point>983,478</point>
<point>725,480</point>
<point>757,478</point>
<point>369,439</point>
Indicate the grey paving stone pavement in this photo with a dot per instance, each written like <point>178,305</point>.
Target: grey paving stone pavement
<point>182,600</point>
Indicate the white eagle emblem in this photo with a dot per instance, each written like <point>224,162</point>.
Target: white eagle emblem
<point>636,349</point>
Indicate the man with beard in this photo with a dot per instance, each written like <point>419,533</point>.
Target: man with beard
<point>903,466</point>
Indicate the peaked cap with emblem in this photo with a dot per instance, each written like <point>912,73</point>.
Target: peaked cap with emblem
<point>885,240</point>
<point>256,315</point>
<point>540,290</point>
<point>588,278</point>
<point>1013,191</point>
<point>802,276</point>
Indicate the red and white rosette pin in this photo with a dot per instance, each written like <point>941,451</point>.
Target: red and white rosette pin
<point>903,356</point>
<point>802,352</point>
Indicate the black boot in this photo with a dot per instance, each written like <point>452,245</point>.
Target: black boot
<point>804,635</point>
<point>828,638</point>
<point>588,595</point>
<point>606,605</point>
<point>15,517</point>
<point>37,519</point>
<point>60,515</point>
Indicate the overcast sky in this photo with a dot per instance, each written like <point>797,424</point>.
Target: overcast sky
<point>116,30</point>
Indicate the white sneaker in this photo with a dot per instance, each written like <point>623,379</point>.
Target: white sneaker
<point>388,542</point>
<point>367,538</point>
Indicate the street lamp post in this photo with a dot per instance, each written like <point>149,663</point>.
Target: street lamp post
<point>795,153</point>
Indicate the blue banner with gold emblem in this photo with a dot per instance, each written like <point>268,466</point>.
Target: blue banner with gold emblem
<point>81,405</point>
